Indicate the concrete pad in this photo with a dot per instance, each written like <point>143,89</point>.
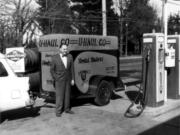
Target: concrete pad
<point>118,105</point>
<point>170,105</point>
<point>121,104</point>
<point>115,106</point>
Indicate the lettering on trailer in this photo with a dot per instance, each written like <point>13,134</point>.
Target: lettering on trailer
<point>48,43</point>
<point>89,64</point>
<point>86,42</point>
<point>47,80</point>
<point>77,42</point>
<point>91,59</point>
<point>48,55</point>
<point>46,62</point>
<point>110,70</point>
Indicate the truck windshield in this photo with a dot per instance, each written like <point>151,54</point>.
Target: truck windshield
<point>3,71</point>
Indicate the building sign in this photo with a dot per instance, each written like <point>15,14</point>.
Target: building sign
<point>15,57</point>
<point>78,42</point>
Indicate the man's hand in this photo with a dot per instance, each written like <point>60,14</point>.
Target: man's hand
<point>72,82</point>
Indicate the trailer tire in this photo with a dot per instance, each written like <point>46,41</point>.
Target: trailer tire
<point>103,94</point>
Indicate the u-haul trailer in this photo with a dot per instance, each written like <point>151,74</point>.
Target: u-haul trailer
<point>95,59</point>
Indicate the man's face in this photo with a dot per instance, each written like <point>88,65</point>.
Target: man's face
<point>63,49</point>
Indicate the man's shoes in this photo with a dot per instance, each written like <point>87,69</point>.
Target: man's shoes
<point>70,112</point>
<point>58,115</point>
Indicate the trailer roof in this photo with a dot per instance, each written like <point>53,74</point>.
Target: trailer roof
<point>52,42</point>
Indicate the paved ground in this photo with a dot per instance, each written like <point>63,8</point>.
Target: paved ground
<point>89,120</point>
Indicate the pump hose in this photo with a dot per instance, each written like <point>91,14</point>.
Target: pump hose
<point>135,110</point>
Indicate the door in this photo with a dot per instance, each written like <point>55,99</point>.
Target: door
<point>13,89</point>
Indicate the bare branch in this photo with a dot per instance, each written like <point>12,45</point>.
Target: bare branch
<point>18,18</point>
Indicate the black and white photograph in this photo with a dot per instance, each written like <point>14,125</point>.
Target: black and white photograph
<point>89,67</point>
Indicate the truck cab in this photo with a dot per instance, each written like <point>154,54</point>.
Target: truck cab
<point>14,90</point>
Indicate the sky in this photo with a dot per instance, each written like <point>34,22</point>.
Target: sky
<point>173,6</point>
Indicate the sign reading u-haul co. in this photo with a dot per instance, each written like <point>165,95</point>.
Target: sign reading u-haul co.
<point>77,42</point>
<point>15,57</point>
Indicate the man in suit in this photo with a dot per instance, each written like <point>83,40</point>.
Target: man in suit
<point>62,71</point>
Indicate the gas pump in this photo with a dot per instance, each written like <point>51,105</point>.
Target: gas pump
<point>153,86</point>
<point>153,69</point>
<point>173,67</point>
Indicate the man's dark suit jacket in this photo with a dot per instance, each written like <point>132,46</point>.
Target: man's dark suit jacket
<point>63,77</point>
<point>58,70</point>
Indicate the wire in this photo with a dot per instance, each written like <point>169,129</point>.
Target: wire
<point>69,19</point>
<point>96,19</point>
<point>91,2</point>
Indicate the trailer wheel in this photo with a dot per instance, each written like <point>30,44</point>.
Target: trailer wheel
<point>103,94</point>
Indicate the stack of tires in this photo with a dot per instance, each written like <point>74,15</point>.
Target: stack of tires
<point>32,60</point>
<point>32,69</point>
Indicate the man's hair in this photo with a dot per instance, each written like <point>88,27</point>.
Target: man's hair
<point>62,45</point>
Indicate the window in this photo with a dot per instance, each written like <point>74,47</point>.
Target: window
<point>3,71</point>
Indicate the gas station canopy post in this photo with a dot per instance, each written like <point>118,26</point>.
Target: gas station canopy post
<point>165,20</point>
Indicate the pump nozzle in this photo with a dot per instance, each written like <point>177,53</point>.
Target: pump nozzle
<point>148,55</point>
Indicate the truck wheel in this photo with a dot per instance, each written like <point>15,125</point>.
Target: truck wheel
<point>103,94</point>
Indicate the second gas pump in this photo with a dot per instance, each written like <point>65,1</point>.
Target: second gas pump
<point>153,69</point>
<point>173,61</point>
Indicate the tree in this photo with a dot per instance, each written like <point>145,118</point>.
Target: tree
<point>75,16</point>
<point>174,24</point>
<point>112,20</point>
<point>142,19</point>
<point>19,18</point>
<point>89,17</point>
<point>7,34</point>
<point>85,17</point>
<point>54,16</point>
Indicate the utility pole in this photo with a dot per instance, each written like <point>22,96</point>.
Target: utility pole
<point>126,48</point>
<point>121,29</point>
<point>104,18</point>
<point>19,23</point>
<point>165,30</point>
<point>162,16</point>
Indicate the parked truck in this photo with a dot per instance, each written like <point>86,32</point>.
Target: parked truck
<point>96,64</point>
